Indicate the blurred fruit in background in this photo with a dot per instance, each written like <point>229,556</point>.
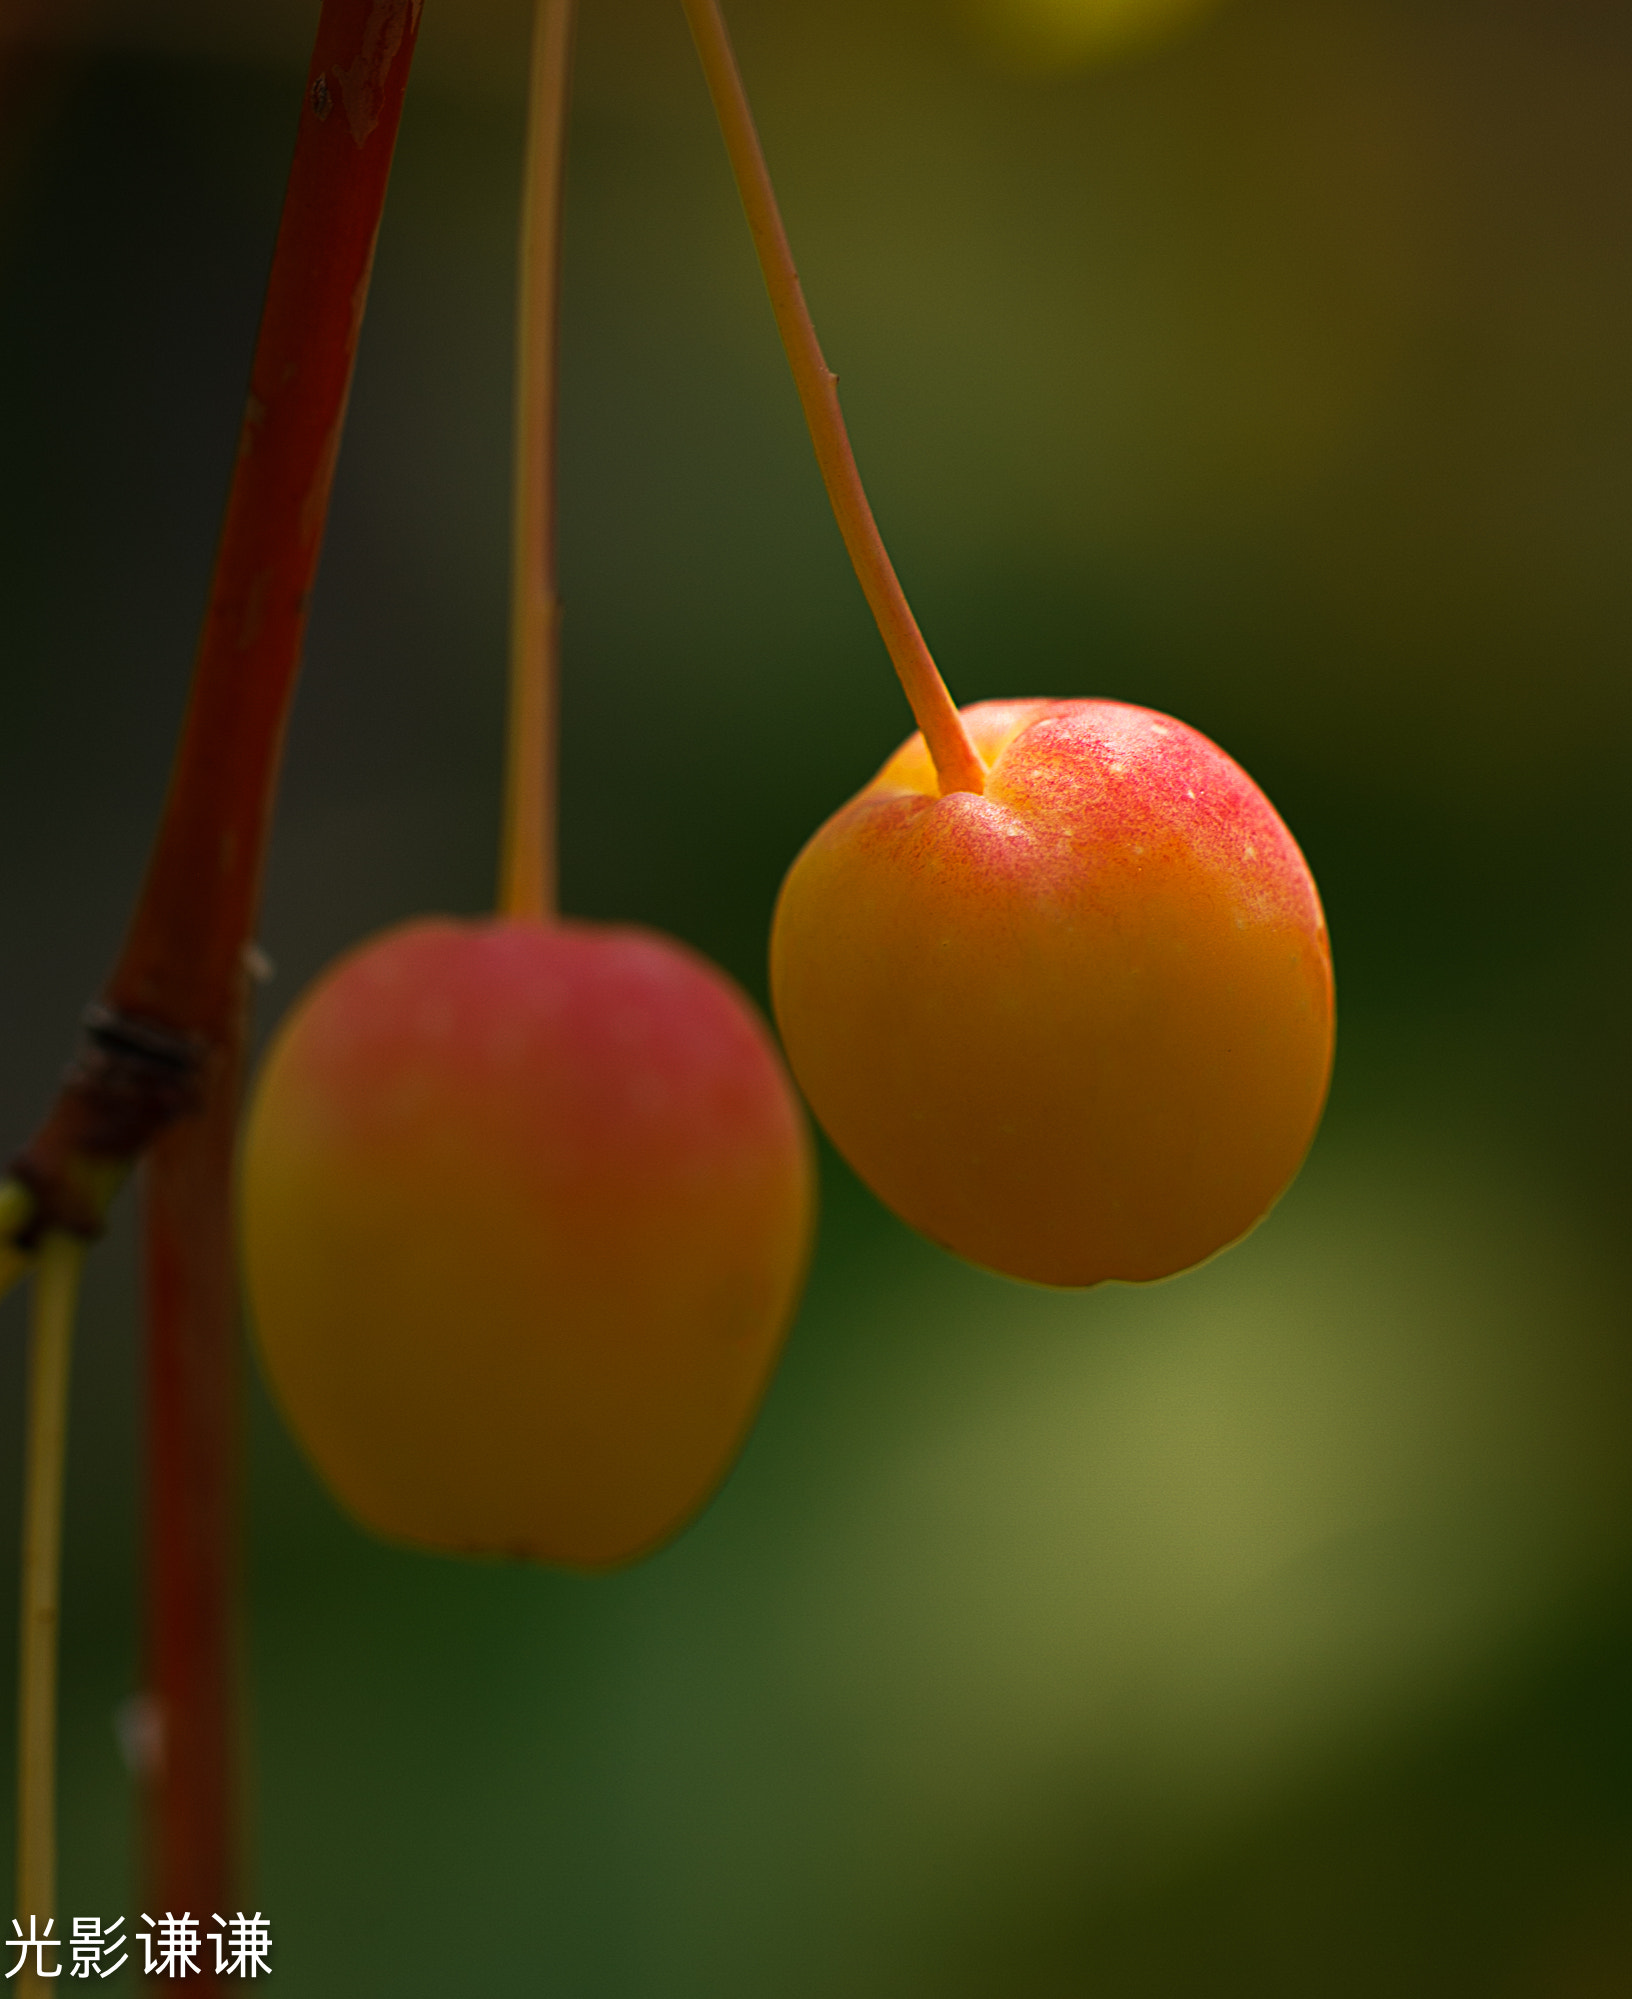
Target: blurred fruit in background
<point>526,1211</point>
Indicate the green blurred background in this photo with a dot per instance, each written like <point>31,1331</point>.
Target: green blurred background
<point>1268,1632</point>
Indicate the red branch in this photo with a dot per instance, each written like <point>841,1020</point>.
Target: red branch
<point>164,1048</point>
<point>171,1008</point>
<point>176,970</point>
<point>192,1723</point>
<point>183,965</point>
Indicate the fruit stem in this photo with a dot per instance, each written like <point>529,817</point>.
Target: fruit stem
<point>51,1339</point>
<point>527,863</point>
<point>957,762</point>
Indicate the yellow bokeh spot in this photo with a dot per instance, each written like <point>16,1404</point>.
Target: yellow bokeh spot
<point>1060,34</point>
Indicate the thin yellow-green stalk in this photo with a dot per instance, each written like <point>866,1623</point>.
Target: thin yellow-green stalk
<point>16,1211</point>
<point>958,763</point>
<point>56,1292</point>
<point>527,866</point>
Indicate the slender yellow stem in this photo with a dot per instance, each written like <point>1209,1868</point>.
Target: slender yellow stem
<point>16,1209</point>
<point>16,1205</point>
<point>56,1292</point>
<point>527,867</point>
<point>957,762</point>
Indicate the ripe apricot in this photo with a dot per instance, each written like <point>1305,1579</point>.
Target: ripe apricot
<point>1076,1028</point>
<point>526,1210</point>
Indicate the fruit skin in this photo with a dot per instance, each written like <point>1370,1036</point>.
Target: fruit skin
<point>1078,1028</point>
<point>526,1213</point>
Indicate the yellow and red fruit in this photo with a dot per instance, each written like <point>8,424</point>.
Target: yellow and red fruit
<point>1079,1027</point>
<point>526,1212</point>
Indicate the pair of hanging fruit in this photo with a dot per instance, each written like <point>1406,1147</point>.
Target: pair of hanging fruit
<point>527,1202</point>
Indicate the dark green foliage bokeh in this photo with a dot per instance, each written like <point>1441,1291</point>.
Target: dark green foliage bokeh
<point>1266,1633</point>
